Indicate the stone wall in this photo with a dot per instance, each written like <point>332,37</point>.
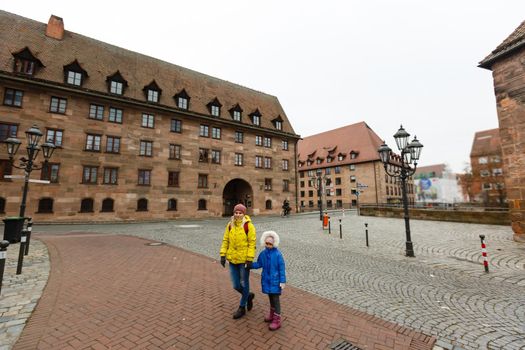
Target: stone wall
<point>509,87</point>
<point>474,217</point>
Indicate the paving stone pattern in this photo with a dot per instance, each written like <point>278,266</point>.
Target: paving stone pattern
<point>443,291</point>
<point>20,293</point>
<point>118,292</point>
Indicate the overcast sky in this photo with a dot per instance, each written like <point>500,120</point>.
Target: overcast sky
<point>330,63</point>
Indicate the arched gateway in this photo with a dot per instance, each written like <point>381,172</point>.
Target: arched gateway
<point>236,191</point>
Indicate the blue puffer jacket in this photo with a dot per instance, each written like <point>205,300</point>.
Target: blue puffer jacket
<point>273,270</point>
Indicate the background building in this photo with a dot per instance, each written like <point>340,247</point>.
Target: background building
<point>138,138</point>
<point>487,184</point>
<point>436,184</point>
<point>345,157</point>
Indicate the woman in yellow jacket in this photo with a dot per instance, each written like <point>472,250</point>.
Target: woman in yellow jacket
<point>238,247</point>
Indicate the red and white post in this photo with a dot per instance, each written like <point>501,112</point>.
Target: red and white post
<point>484,253</point>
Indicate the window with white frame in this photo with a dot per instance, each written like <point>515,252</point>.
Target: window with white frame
<point>115,115</point>
<point>96,111</point>
<point>116,87</point>
<point>176,125</point>
<point>146,148</point>
<point>484,173</point>
<point>74,78</point>
<point>216,133</point>
<point>215,156</point>
<point>58,105</point>
<point>267,142</point>
<point>258,161</point>
<point>239,137</point>
<point>182,102</point>
<point>148,120</point>
<point>55,136</point>
<point>284,145</point>
<point>258,140</point>
<point>175,151</point>
<point>93,142</point>
<point>285,164</point>
<point>153,96</point>
<point>239,159</point>
<point>483,160</point>
<point>204,130</point>
<point>237,116</point>
<point>267,162</point>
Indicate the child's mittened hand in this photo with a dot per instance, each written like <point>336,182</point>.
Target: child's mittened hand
<point>282,285</point>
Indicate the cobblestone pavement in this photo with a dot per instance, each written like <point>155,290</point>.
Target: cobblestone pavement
<point>443,291</point>
<point>20,293</point>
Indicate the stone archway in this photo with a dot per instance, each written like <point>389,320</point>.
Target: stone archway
<point>237,191</point>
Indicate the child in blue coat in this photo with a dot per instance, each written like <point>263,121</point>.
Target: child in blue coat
<point>273,277</point>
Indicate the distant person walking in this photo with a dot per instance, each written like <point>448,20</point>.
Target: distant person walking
<point>273,276</point>
<point>238,247</point>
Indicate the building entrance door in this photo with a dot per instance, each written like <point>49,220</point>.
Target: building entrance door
<point>237,191</point>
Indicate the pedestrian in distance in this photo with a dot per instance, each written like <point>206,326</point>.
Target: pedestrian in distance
<point>273,277</point>
<point>238,247</point>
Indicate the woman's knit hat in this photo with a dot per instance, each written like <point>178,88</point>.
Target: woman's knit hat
<point>270,234</point>
<point>239,207</point>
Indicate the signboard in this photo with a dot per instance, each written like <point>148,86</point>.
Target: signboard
<point>360,185</point>
<point>23,177</point>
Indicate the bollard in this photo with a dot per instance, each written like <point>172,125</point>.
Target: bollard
<point>23,239</point>
<point>329,225</point>
<point>3,253</point>
<point>340,230</point>
<point>343,212</point>
<point>29,230</point>
<point>366,233</point>
<point>484,253</point>
<point>325,221</point>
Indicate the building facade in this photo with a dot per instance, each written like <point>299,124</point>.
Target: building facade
<point>137,138</point>
<point>487,181</point>
<point>507,63</point>
<point>436,184</point>
<point>346,162</point>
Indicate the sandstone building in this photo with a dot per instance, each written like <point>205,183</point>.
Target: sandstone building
<point>138,138</point>
<point>507,63</point>
<point>346,157</point>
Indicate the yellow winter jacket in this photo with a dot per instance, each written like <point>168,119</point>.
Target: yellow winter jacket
<point>237,246</point>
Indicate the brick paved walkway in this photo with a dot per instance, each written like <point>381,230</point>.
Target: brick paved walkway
<point>110,291</point>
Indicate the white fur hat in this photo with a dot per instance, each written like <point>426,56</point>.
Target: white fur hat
<point>272,234</point>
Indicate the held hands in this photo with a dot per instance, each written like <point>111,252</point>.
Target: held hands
<point>223,261</point>
<point>249,265</point>
<point>282,285</point>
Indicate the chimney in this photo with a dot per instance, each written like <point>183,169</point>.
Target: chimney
<point>55,28</point>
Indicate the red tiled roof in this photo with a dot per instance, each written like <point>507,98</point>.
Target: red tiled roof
<point>101,60</point>
<point>436,169</point>
<point>485,143</point>
<point>359,138</point>
<point>513,42</point>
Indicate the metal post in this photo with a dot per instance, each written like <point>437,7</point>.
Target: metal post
<point>366,233</point>
<point>484,253</point>
<point>409,248</point>
<point>21,252</point>
<point>319,195</point>
<point>329,225</point>
<point>3,253</point>
<point>340,230</point>
<point>29,230</point>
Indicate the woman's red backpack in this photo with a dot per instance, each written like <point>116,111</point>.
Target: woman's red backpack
<point>246,228</point>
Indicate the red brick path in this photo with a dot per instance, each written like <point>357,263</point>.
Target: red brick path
<point>116,292</point>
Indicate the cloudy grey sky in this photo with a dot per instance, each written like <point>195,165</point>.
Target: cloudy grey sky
<point>331,63</point>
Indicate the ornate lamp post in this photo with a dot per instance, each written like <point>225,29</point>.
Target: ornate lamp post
<point>319,186</point>
<point>409,155</point>
<point>33,136</point>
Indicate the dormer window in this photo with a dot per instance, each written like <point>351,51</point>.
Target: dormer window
<point>318,161</point>
<point>74,74</point>
<point>236,113</point>
<point>215,107</point>
<point>329,159</point>
<point>256,117</point>
<point>308,162</point>
<point>353,154</point>
<point>278,123</point>
<point>152,92</point>
<point>182,99</point>
<point>26,62</point>
<point>340,157</point>
<point>116,83</point>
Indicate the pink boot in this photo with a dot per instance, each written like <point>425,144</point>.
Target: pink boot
<point>276,322</point>
<point>269,315</point>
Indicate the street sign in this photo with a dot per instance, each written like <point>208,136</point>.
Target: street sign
<point>30,180</point>
<point>360,185</point>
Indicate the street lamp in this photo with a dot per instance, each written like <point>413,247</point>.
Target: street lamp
<point>318,184</point>
<point>33,136</point>
<point>401,169</point>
